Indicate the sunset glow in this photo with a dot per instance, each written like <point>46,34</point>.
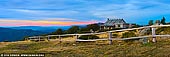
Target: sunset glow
<point>40,23</point>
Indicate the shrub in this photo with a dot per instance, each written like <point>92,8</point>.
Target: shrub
<point>86,37</point>
<point>72,30</point>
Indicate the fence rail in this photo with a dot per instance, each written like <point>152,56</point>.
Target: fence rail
<point>109,33</point>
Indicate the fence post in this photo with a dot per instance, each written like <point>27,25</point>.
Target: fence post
<point>110,37</point>
<point>77,36</point>
<point>28,38</point>
<point>60,38</point>
<point>48,38</point>
<point>153,34</point>
<point>39,38</point>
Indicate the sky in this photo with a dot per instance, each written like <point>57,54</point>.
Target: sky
<point>80,12</point>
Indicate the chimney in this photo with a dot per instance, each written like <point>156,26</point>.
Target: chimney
<point>107,18</point>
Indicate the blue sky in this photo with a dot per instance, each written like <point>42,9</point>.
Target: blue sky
<point>73,12</point>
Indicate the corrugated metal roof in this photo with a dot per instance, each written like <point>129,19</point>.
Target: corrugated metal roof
<point>111,22</point>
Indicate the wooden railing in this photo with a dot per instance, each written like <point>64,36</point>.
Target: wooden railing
<point>110,34</point>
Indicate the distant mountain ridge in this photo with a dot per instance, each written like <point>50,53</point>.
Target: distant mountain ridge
<point>47,29</point>
<point>8,34</point>
<point>18,33</point>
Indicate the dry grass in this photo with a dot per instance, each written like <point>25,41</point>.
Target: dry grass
<point>91,49</point>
